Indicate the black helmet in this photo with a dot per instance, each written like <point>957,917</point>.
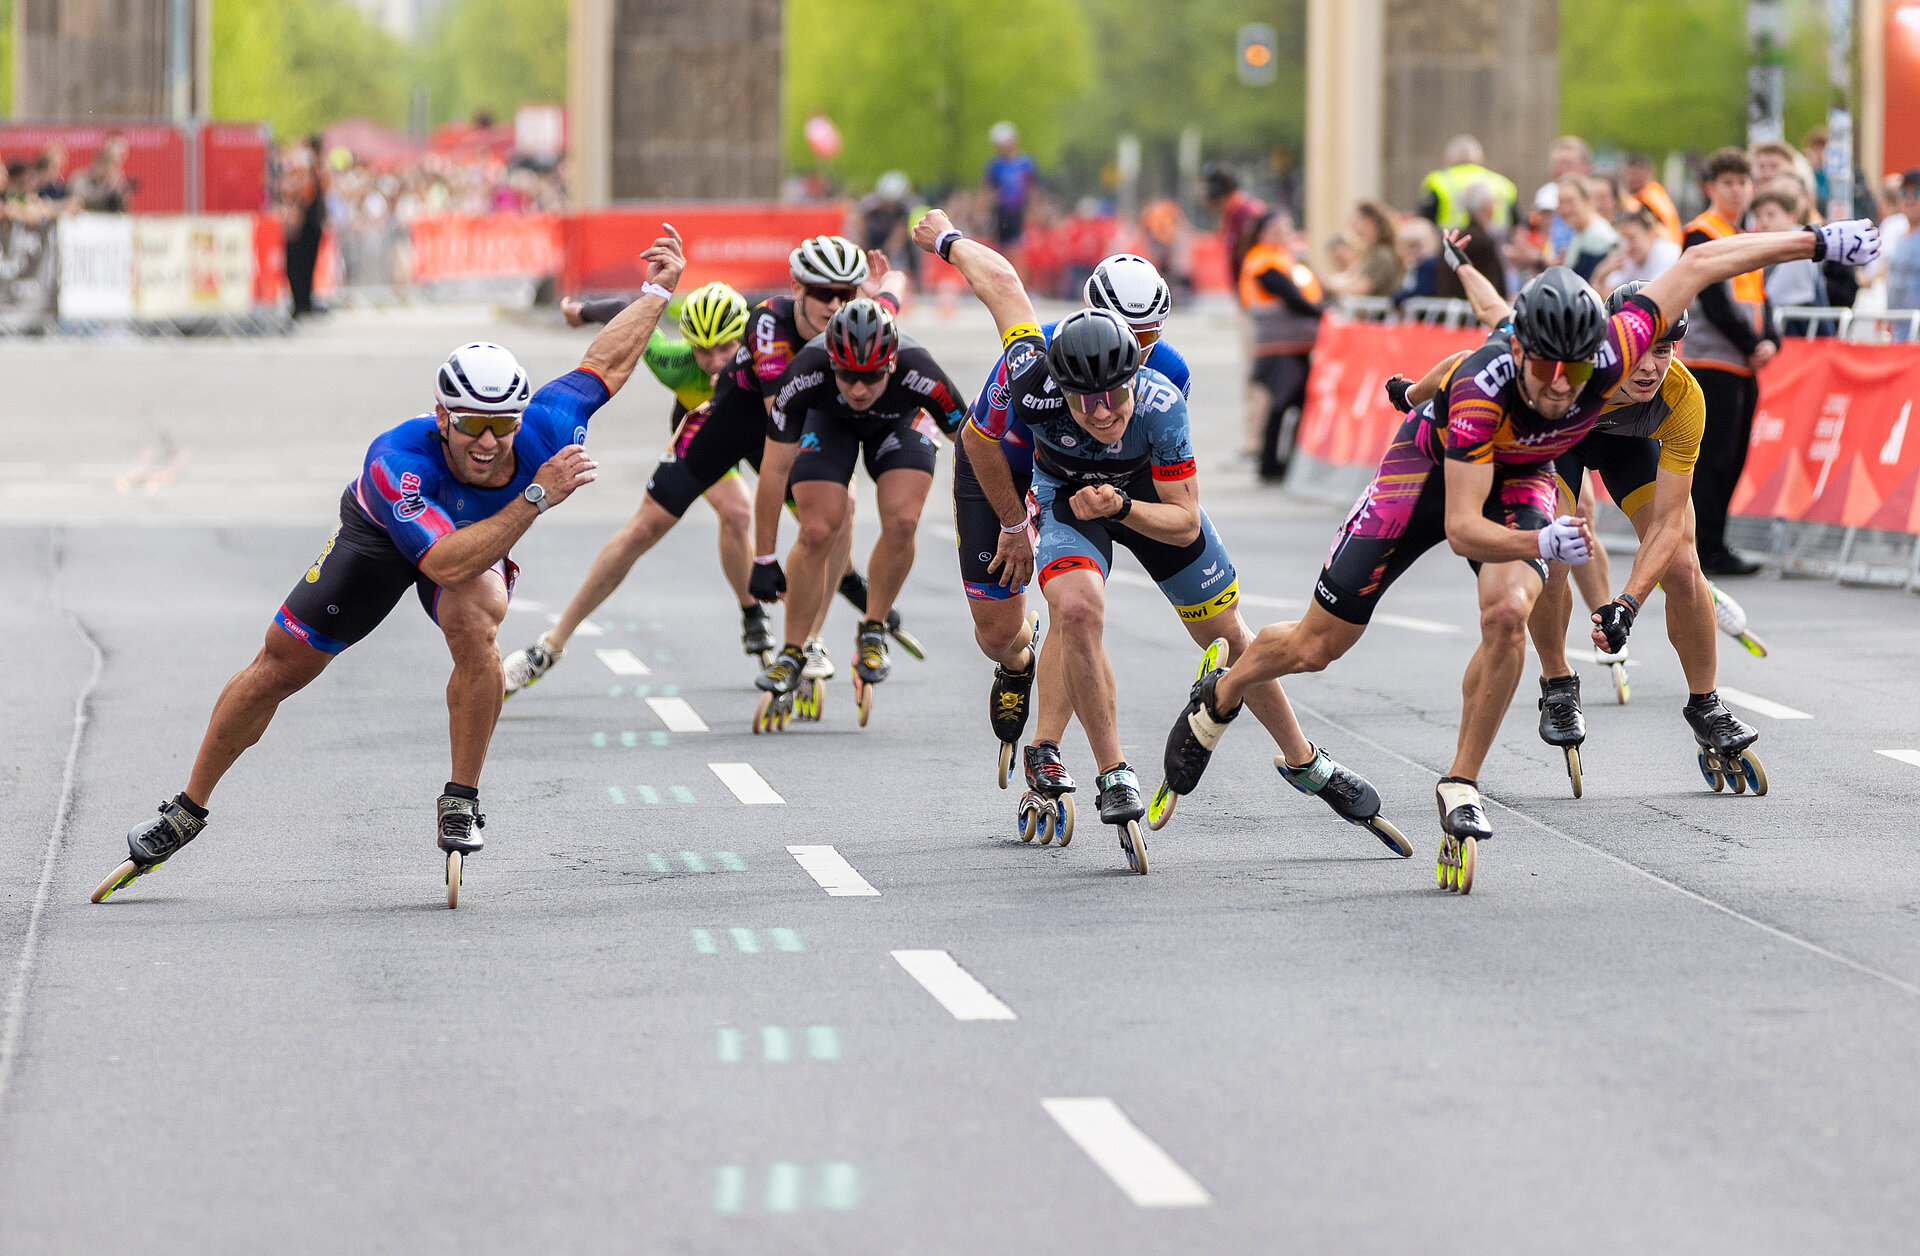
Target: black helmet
<point>1558,318</point>
<point>861,336</point>
<point>1617,301</point>
<point>1219,178</point>
<point>1092,351</point>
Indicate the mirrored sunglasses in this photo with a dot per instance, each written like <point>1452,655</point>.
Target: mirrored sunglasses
<point>474,424</point>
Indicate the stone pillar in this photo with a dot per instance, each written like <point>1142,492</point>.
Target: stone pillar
<point>590,102</point>
<point>90,59</point>
<point>1344,59</point>
<point>696,99</point>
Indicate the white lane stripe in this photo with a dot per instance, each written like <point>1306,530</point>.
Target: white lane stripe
<point>831,872</point>
<point>956,988</point>
<point>623,662</point>
<point>677,715</point>
<point>747,785</point>
<point>1278,603</point>
<point>587,627</point>
<point>1415,623</point>
<point>1904,756</point>
<point>1772,710</point>
<point>1150,1177</point>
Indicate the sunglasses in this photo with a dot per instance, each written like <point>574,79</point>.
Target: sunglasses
<point>1545,372</point>
<point>826,296</point>
<point>1112,399</point>
<point>861,377</point>
<point>502,425</point>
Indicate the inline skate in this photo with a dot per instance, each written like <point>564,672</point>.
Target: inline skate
<point>1463,826</point>
<point>1007,703</point>
<point>152,842</point>
<point>1046,809</point>
<point>1561,722</point>
<point>1725,740</point>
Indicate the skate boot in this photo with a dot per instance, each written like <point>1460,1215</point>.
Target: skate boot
<point>1616,665</point>
<point>780,682</point>
<point>1561,723</point>
<point>853,587</point>
<point>755,637</point>
<point>1463,826</point>
<point>1121,806</point>
<point>1352,797</point>
<point>1194,735</point>
<point>459,835</point>
<point>525,667</point>
<point>1046,809</point>
<point>1732,619</point>
<point>870,664</point>
<point>1726,757</point>
<point>1007,704</point>
<point>153,842</point>
<point>819,665</point>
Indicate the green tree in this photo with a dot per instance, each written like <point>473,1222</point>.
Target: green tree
<point>6,58</point>
<point>495,55</point>
<point>300,65</point>
<point>916,87</point>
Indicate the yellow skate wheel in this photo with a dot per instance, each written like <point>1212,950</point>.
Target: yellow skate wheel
<point>1214,655</point>
<point>1749,765</point>
<point>1620,689</point>
<point>760,713</point>
<point>1006,763</point>
<point>1160,807</point>
<point>1573,768</point>
<point>864,693</point>
<point>453,879</point>
<point>1463,879</point>
<point>121,877</point>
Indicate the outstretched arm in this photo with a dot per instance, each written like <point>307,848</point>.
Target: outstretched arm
<point>616,351</point>
<point>1489,307</point>
<point>990,275</point>
<point>1856,243</point>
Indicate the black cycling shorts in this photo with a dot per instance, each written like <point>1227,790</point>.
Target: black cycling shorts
<point>830,445</point>
<point>976,530</point>
<point>356,582</point>
<point>1627,466</point>
<point>704,449</point>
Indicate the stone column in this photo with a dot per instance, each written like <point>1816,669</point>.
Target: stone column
<point>1345,42</point>
<point>90,59</point>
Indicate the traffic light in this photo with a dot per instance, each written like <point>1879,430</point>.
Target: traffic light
<point>1259,50</point>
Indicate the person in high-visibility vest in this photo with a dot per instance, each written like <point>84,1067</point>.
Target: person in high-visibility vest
<point>1643,187</point>
<point>1284,299</point>
<point>1443,193</point>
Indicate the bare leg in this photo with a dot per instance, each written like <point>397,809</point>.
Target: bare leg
<point>902,494</point>
<point>1690,622</point>
<point>1507,594</point>
<point>1266,700</point>
<point>1548,626</point>
<point>734,504</point>
<point>1000,630</point>
<point>1052,702</point>
<point>1595,576</point>
<point>246,706</point>
<point>469,616</point>
<point>610,566</point>
<point>1076,602</point>
<point>839,562</point>
<point>823,516</point>
<point>1306,645</point>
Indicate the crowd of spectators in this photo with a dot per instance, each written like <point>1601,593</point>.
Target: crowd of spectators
<point>42,188</point>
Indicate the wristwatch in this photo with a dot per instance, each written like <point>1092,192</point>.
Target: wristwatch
<point>538,496</point>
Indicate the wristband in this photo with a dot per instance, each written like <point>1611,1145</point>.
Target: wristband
<point>1632,602</point>
<point>943,244</point>
<point>1126,505</point>
<point>1819,243</point>
<point>1011,528</point>
<point>656,290</point>
<point>764,559</point>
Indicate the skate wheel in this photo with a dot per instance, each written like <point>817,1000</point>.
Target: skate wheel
<point>1006,763</point>
<point>1573,768</point>
<point>863,692</point>
<point>1619,686</point>
<point>1756,776</point>
<point>760,714</point>
<point>127,873</point>
<point>1707,770</point>
<point>453,878</point>
<point>1029,823</point>
<point>1063,826</point>
<point>909,642</point>
<point>1134,843</point>
<point>1049,825</point>
<point>1393,839</point>
<point>1463,878</point>
<point>1737,778</point>
<point>1755,646</point>
<point>766,659</point>
<point>1442,867</point>
<point>1213,656</point>
<point>1160,807</point>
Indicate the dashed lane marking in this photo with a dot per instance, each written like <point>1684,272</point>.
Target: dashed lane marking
<point>746,784</point>
<point>678,715</point>
<point>623,662</point>
<point>1149,1176</point>
<point>778,1044</point>
<point>1764,706</point>
<point>836,1187</point>
<point>1904,756</point>
<point>831,871</point>
<point>958,990</point>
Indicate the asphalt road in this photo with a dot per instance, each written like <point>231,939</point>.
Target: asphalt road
<point>1665,1020</point>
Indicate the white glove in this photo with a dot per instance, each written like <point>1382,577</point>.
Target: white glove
<point>1855,242</point>
<point>1561,542</point>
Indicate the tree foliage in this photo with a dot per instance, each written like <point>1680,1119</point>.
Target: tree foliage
<point>494,55</point>
<point>6,57</point>
<point>916,87</point>
<point>303,64</point>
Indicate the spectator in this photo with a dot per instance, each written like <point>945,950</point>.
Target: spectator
<point>1729,338</point>
<point>49,181</point>
<point>1777,159</point>
<point>1593,237</point>
<point>1443,193</point>
<point>1285,301</point>
<point>1605,194</point>
<point>1568,155</point>
<point>103,187</point>
<point>1377,270</point>
<point>1859,196</point>
<point>305,220</point>
<point>1417,242</point>
<point>1646,189</point>
<point>1903,268</point>
<point>883,219</point>
<point>1778,207</point>
<point>1009,176</point>
<point>1482,247</point>
<point>1643,254</point>
<point>1238,210</point>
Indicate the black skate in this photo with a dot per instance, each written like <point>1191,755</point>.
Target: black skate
<point>1194,735</point>
<point>1120,806</point>
<point>870,664</point>
<point>1046,809</point>
<point>150,844</point>
<point>1725,754</point>
<point>459,835</point>
<point>780,682</point>
<point>1463,825</point>
<point>1561,721</point>
<point>853,587</point>
<point>1352,797</point>
<point>1007,704</point>
<point>755,637</point>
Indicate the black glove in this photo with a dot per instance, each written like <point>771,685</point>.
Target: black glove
<point>767,582</point>
<point>1397,389</point>
<point>1615,621</point>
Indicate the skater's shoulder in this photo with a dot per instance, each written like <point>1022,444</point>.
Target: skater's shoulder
<point>1155,394</point>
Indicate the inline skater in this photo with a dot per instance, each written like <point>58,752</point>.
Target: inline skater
<point>1472,467</point>
<point>1113,463</point>
<point>861,390</point>
<point>990,520</point>
<point>437,508</point>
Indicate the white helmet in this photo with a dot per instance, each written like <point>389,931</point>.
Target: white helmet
<point>828,260</point>
<point>1003,133</point>
<point>482,378</point>
<point>1128,284</point>
<point>894,185</point>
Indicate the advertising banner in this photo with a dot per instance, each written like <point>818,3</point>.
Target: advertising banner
<point>96,266</point>
<point>745,245</point>
<point>461,246</point>
<point>1347,419</point>
<point>29,270</point>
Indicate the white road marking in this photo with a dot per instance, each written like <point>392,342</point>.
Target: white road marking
<point>1150,1177</point>
<point>587,627</point>
<point>957,989</point>
<point>623,662</point>
<point>1772,710</point>
<point>1415,623</point>
<point>746,784</point>
<point>831,871</point>
<point>677,715</point>
<point>1278,603</point>
<point>1904,756</point>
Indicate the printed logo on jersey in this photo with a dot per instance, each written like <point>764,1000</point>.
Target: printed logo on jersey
<point>1495,375</point>
<point>411,504</point>
<point>1175,470</point>
<point>580,434</point>
<point>923,424</point>
<point>1156,396</point>
<point>997,396</point>
<point>1071,562</point>
<point>1213,605</point>
<point>810,441</point>
<point>887,446</point>
<point>1021,356</point>
<point>1214,574</point>
<point>1069,439</point>
<point>313,572</point>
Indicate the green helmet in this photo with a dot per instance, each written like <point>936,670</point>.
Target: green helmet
<point>713,315</point>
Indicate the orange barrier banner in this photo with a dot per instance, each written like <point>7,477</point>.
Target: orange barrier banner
<point>1833,439</point>
<point>745,245</point>
<point>465,246</point>
<point>1347,419</point>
